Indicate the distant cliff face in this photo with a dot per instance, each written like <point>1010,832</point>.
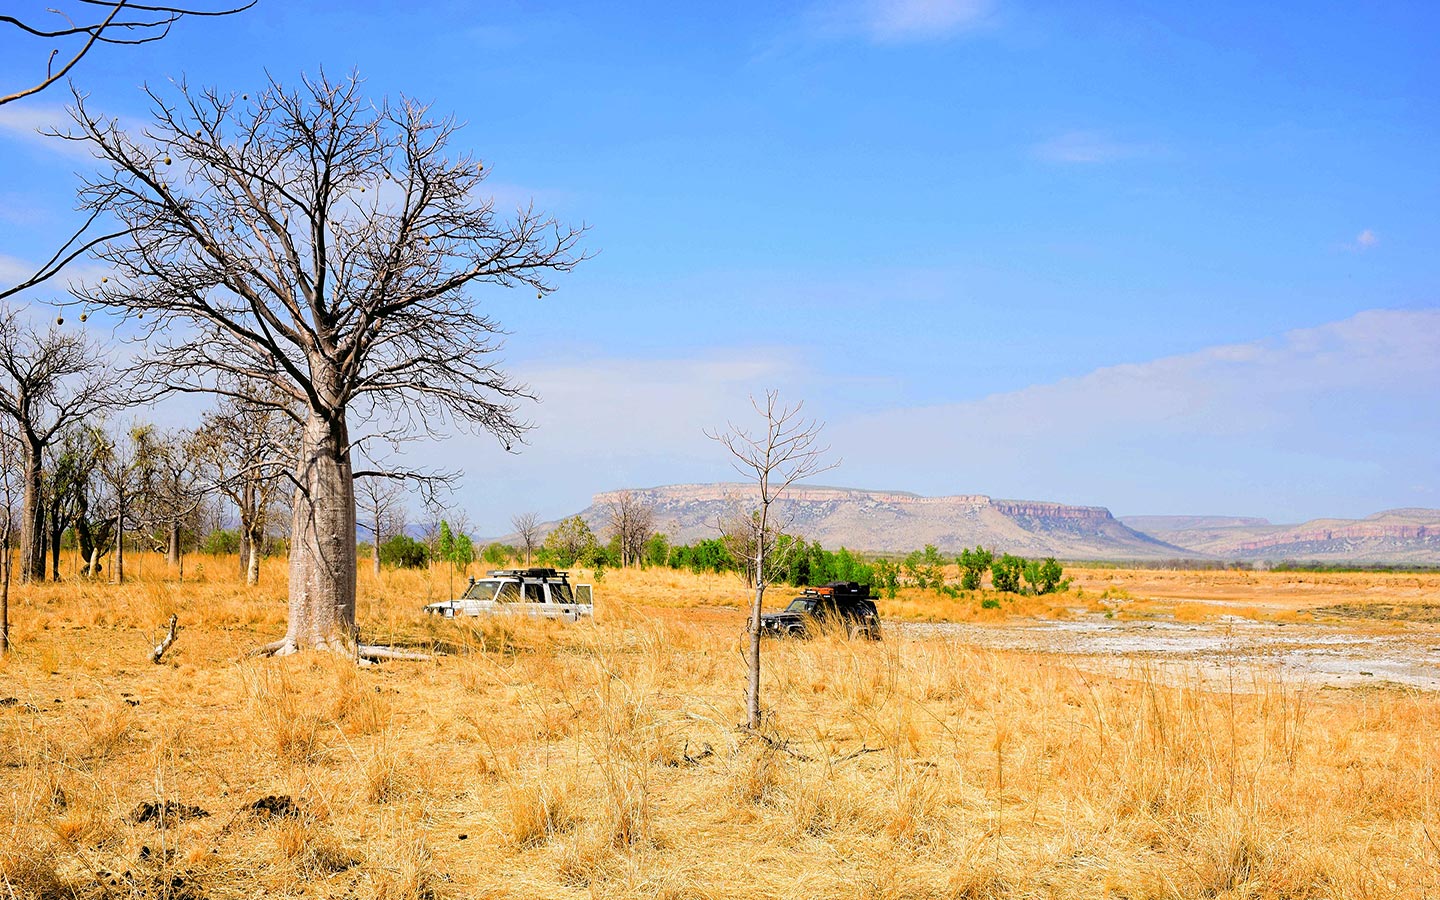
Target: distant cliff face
<point>895,521</point>
<point>1395,536</point>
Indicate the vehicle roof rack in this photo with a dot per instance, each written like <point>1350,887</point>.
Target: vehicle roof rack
<point>533,572</point>
<point>851,590</point>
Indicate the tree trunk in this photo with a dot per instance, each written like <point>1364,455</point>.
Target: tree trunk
<point>5,590</point>
<point>120,541</point>
<point>247,525</point>
<point>32,519</point>
<point>322,540</point>
<point>254,540</point>
<point>376,555</point>
<point>172,546</point>
<point>57,531</point>
<point>752,692</point>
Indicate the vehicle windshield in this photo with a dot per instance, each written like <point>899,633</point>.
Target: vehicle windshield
<point>801,605</point>
<point>482,590</point>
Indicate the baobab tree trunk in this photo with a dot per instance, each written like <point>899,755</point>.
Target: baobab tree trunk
<point>375,557</point>
<point>254,539</point>
<point>247,527</point>
<point>56,532</point>
<point>32,520</point>
<point>172,546</point>
<point>120,541</point>
<point>322,540</point>
<point>5,587</point>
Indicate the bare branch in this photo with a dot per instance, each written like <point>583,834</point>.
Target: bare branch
<point>152,23</point>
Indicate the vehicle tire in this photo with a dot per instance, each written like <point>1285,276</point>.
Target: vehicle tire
<point>861,632</point>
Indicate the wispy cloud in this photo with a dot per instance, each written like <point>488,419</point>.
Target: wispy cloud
<point>1087,147</point>
<point>27,124</point>
<point>1364,241</point>
<point>901,21</point>
<point>1313,420</point>
<point>1304,418</point>
<point>14,270</point>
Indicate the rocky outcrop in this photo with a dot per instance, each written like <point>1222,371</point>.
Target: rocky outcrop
<point>897,521</point>
<point>1399,536</point>
<point>1362,532</point>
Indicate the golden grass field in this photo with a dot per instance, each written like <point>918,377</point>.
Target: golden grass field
<point>536,759</point>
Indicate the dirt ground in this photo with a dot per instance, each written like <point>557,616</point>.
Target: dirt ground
<point>1076,746</point>
<point>1335,630</point>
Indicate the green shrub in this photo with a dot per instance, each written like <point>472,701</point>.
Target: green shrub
<point>404,552</point>
<point>1005,573</point>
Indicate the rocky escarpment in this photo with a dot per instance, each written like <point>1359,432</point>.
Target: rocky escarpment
<point>897,521</point>
<point>1398,536</point>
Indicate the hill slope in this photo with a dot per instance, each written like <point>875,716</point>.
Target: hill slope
<point>895,521</point>
<point>1393,536</point>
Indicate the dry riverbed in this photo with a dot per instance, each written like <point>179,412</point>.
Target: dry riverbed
<point>1228,649</point>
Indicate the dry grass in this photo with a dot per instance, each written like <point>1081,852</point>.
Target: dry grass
<point>601,760</point>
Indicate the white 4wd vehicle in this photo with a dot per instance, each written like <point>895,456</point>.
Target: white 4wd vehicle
<point>536,592</point>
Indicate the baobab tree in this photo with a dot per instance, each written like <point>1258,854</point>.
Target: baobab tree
<point>322,244</point>
<point>246,449</point>
<point>783,450</point>
<point>49,381</point>
<point>65,31</point>
<point>8,457</point>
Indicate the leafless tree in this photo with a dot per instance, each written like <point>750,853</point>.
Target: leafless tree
<point>9,456</point>
<point>79,26</point>
<point>631,522</point>
<point>782,451</point>
<point>246,447</point>
<point>48,382</point>
<point>527,532</point>
<point>323,244</point>
<point>128,468</point>
<point>175,488</point>
<point>380,498</point>
<point>738,532</point>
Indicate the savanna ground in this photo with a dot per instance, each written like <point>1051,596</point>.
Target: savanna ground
<point>536,759</point>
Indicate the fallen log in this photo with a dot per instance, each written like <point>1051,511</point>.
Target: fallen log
<point>166,641</point>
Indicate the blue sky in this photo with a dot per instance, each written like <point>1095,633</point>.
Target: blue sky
<point>1158,257</point>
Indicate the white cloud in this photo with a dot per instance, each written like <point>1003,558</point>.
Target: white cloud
<point>13,271</point>
<point>28,124</point>
<point>901,21</point>
<point>1086,147</point>
<point>604,423</point>
<point>1365,240</point>
<point>1234,426</point>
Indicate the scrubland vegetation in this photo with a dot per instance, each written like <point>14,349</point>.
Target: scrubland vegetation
<point>534,759</point>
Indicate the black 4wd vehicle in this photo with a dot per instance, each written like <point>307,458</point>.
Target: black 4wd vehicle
<point>840,604</point>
